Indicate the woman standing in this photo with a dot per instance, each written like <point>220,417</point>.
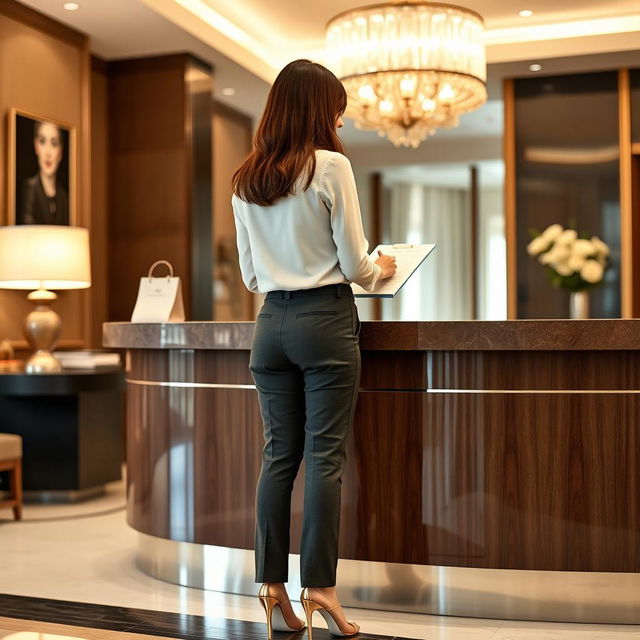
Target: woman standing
<point>300,241</point>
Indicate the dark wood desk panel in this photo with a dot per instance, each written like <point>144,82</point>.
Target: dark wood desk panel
<point>533,481</point>
<point>532,370</point>
<point>438,474</point>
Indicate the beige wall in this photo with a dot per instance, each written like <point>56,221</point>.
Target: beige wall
<point>44,69</point>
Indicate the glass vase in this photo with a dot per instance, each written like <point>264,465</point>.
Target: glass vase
<point>579,305</point>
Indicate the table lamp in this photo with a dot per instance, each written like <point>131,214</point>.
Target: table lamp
<point>39,258</point>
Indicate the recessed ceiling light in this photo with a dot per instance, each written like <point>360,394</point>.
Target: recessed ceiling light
<point>71,6</point>
<point>535,67</point>
<point>228,91</point>
<point>526,13</point>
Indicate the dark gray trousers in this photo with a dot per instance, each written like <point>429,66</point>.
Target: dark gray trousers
<point>305,361</point>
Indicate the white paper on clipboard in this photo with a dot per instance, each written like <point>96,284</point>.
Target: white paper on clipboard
<point>408,258</point>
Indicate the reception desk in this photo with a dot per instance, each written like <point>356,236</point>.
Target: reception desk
<point>493,469</point>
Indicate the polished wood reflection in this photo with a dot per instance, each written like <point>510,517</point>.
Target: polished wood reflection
<point>544,481</point>
<point>418,370</point>
<point>382,370</point>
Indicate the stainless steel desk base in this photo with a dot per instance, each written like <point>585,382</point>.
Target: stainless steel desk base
<point>564,596</point>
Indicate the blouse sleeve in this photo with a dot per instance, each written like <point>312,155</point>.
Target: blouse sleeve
<point>244,253</point>
<point>338,191</point>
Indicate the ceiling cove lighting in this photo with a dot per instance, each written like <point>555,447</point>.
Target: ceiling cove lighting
<point>213,18</point>
<point>409,68</point>
<point>561,30</point>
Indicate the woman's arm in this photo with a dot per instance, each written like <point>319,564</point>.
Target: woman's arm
<point>244,254</point>
<point>341,197</point>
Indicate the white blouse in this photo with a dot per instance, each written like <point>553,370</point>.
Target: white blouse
<point>310,238</point>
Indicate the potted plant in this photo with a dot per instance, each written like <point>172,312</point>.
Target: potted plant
<point>573,263</point>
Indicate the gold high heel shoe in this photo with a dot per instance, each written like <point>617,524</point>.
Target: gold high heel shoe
<point>273,608</point>
<point>310,606</point>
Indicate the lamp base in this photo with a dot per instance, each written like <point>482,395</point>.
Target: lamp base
<point>43,361</point>
<point>42,328</point>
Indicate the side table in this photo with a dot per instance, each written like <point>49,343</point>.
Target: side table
<point>71,426</point>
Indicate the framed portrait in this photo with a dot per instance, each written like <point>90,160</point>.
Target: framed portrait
<point>41,170</point>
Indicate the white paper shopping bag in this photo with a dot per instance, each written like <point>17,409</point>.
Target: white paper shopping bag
<point>159,299</point>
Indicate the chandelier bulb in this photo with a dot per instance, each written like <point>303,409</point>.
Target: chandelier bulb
<point>386,106</point>
<point>428,105</point>
<point>407,86</point>
<point>446,94</point>
<point>367,93</point>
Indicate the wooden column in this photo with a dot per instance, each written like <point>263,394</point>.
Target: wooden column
<point>160,177</point>
<point>627,278</point>
<point>629,282</point>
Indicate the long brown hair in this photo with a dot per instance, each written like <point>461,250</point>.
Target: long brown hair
<point>299,117</point>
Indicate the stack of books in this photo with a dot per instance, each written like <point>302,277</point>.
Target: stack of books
<point>87,359</point>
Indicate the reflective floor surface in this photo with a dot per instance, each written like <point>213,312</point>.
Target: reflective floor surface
<point>84,553</point>
<point>15,629</point>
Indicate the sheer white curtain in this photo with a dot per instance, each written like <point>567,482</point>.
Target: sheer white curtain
<point>441,288</point>
<point>492,255</point>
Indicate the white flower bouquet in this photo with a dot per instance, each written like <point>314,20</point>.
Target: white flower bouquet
<point>574,263</point>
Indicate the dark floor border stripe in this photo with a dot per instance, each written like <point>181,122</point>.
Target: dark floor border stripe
<point>145,621</point>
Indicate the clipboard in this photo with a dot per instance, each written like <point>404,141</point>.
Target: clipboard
<point>408,258</point>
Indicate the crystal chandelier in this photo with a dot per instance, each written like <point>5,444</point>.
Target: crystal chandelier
<point>408,67</point>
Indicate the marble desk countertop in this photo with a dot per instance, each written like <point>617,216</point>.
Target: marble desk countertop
<point>475,335</point>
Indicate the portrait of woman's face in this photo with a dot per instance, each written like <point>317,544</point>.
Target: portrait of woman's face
<point>41,167</point>
<point>48,148</point>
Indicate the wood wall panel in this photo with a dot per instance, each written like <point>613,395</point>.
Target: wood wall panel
<point>44,69</point>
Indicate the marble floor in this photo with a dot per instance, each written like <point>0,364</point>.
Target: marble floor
<point>16,629</point>
<point>84,553</point>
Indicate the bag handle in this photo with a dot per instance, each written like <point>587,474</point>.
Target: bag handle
<point>159,262</point>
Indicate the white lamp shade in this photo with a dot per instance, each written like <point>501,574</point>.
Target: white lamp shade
<point>44,256</point>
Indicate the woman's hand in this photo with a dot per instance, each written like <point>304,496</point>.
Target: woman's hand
<point>388,264</point>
